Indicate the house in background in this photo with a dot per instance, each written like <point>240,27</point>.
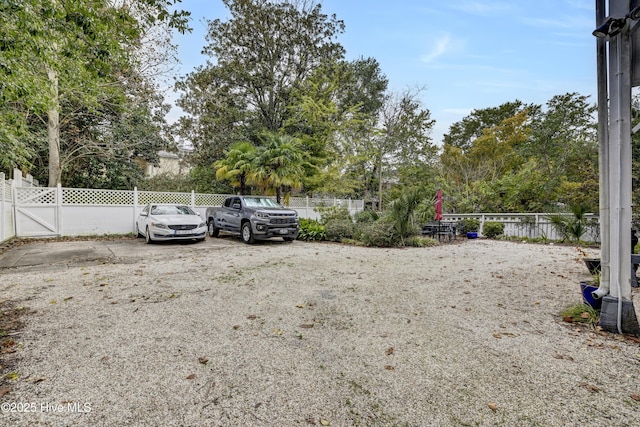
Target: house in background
<point>169,163</point>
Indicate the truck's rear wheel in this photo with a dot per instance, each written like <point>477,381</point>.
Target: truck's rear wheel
<point>213,230</point>
<point>247,233</point>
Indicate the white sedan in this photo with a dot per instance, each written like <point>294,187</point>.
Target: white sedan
<point>158,222</point>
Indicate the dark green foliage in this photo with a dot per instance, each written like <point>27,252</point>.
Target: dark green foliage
<point>97,172</point>
<point>401,212</point>
<point>310,229</point>
<point>333,213</point>
<point>571,227</point>
<point>470,225</point>
<point>339,229</point>
<point>367,216</point>
<point>492,229</point>
<point>380,233</point>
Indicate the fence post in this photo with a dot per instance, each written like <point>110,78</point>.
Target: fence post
<point>193,199</point>
<point>17,177</point>
<point>135,208</point>
<point>14,202</point>
<point>59,209</point>
<point>2,208</point>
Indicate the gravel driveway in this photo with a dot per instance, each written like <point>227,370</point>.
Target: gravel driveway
<point>275,334</point>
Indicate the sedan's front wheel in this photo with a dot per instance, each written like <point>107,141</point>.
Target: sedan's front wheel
<point>148,237</point>
<point>247,233</point>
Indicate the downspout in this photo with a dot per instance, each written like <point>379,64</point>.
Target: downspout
<point>603,158</point>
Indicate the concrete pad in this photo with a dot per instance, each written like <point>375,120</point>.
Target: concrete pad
<point>52,253</point>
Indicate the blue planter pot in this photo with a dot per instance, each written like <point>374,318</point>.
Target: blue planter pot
<point>472,235</point>
<point>586,290</point>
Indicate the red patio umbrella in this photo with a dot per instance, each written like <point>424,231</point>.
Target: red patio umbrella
<point>438,205</point>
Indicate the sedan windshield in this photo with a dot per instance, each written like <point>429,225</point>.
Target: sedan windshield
<point>256,202</point>
<point>171,210</point>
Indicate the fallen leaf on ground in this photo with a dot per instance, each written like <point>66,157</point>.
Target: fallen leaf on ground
<point>389,351</point>
<point>389,368</point>
<point>324,422</point>
<point>497,335</point>
<point>635,397</point>
<point>592,388</point>
<point>192,376</point>
<point>492,406</point>
<point>4,390</point>
<point>203,360</point>
<point>307,325</point>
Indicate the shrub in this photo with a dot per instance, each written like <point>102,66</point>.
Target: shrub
<point>367,216</point>
<point>493,229</point>
<point>470,225</point>
<point>333,213</point>
<point>570,228</point>
<point>310,229</point>
<point>380,233</point>
<point>339,229</point>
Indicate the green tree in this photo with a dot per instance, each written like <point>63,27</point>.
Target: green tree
<point>279,164</point>
<point>238,166</point>
<point>335,107</point>
<point>402,212</point>
<point>476,170</point>
<point>463,133</point>
<point>261,56</point>
<point>564,142</point>
<point>60,60</point>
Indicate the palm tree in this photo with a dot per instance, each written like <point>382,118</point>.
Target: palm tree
<point>402,212</point>
<point>279,163</point>
<point>237,166</point>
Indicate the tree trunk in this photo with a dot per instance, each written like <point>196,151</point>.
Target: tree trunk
<point>380,183</point>
<point>53,132</point>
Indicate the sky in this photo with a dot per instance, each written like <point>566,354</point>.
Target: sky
<point>466,54</point>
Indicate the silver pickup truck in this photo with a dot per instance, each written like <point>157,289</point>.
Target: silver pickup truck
<point>254,218</point>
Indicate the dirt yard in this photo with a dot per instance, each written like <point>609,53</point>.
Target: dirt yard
<point>281,334</point>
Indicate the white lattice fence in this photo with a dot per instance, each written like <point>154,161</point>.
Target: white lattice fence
<point>145,197</point>
<point>209,199</point>
<point>84,196</point>
<point>35,196</point>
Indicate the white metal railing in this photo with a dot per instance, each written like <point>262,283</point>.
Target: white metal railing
<point>530,225</point>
